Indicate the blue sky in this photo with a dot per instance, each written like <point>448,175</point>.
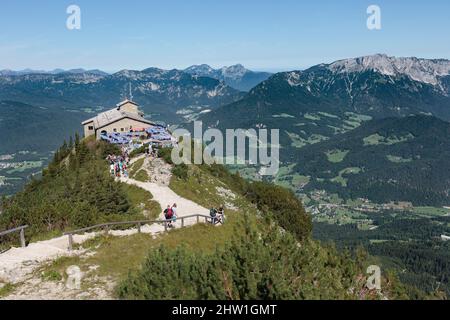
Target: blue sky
<point>261,34</point>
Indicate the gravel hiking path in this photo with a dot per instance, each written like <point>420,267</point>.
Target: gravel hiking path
<point>17,264</point>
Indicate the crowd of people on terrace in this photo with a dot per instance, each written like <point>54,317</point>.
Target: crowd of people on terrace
<point>133,140</point>
<point>119,164</point>
<point>158,133</point>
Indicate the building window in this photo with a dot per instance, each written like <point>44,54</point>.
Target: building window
<point>122,129</point>
<point>91,128</point>
<point>115,130</point>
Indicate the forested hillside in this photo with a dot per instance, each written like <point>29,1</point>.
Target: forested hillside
<point>408,243</point>
<point>39,128</point>
<point>76,190</point>
<point>396,159</point>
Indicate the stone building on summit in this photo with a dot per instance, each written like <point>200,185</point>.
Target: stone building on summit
<point>125,117</point>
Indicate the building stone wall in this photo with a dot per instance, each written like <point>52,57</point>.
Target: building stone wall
<point>124,125</point>
<point>89,129</point>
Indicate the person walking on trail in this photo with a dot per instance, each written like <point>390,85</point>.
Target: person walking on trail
<point>220,215</point>
<point>168,214</point>
<point>213,215</point>
<point>174,213</point>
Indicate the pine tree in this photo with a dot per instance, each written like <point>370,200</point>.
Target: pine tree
<point>77,141</point>
<point>70,143</point>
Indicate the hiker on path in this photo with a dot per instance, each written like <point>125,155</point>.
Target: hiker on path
<point>220,215</point>
<point>168,214</point>
<point>174,213</point>
<point>213,214</point>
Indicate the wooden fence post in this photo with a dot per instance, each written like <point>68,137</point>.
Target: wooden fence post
<point>70,242</point>
<point>107,226</point>
<point>22,238</point>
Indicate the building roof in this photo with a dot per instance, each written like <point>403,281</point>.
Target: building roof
<point>105,118</point>
<point>125,102</point>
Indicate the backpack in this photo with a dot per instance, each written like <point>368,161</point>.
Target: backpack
<point>169,214</point>
<point>212,212</point>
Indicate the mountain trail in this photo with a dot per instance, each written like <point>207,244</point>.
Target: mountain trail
<point>17,264</point>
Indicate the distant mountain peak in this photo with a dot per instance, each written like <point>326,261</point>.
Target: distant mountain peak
<point>422,70</point>
<point>236,76</point>
<point>234,71</point>
<point>8,72</point>
<point>237,70</point>
<point>200,69</point>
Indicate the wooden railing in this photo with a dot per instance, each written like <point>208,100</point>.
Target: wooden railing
<point>18,229</point>
<point>107,226</point>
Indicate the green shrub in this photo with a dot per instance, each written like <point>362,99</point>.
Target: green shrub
<point>181,171</point>
<point>275,201</point>
<point>256,265</point>
<point>104,149</point>
<point>77,192</point>
<point>6,289</point>
<point>141,175</point>
<point>138,151</point>
<point>51,275</point>
<point>165,154</point>
<point>136,166</point>
<point>283,205</point>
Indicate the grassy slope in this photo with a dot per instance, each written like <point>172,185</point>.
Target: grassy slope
<point>136,171</point>
<point>204,189</point>
<point>117,256</point>
<point>141,201</point>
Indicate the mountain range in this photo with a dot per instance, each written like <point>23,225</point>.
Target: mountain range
<point>312,108</point>
<point>160,93</point>
<point>316,105</point>
<point>236,76</point>
<point>7,72</point>
<point>165,95</point>
<point>38,110</point>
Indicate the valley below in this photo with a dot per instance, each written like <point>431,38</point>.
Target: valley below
<point>365,150</point>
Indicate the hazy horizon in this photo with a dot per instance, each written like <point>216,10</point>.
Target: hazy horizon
<point>262,35</point>
<point>269,70</point>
